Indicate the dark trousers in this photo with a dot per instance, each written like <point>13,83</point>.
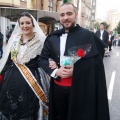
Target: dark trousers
<point>110,45</point>
<point>61,101</point>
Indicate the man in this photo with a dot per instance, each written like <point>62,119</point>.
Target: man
<point>7,34</point>
<point>1,44</point>
<point>104,36</point>
<point>79,92</point>
<point>111,38</point>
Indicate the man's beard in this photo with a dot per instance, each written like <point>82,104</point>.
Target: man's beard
<point>71,26</point>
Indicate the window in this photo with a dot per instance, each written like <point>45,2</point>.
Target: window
<point>50,5</point>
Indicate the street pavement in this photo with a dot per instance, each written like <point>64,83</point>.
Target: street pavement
<point>112,70</point>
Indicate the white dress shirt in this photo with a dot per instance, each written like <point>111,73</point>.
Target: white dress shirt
<point>63,39</point>
<point>110,37</point>
<point>101,34</point>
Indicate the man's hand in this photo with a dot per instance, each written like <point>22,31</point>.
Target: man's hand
<point>65,72</point>
<point>52,64</point>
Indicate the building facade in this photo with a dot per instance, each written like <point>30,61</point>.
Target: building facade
<point>46,12</point>
<point>113,19</point>
<point>86,12</point>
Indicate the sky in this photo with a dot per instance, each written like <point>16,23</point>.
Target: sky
<point>103,6</point>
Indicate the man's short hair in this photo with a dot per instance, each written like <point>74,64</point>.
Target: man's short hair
<point>68,3</point>
<point>102,23</point>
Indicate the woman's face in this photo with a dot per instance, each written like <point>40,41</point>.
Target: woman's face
<point>26,25</point>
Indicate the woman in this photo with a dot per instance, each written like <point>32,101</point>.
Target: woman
<point>25,86</point>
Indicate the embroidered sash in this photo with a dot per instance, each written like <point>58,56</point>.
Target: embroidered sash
<point>30,79</point>
<point>14,48</point>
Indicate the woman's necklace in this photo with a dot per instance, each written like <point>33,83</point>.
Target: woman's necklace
<point>23,43</point>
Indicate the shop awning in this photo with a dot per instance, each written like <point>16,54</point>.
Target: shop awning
<point>13,13</point>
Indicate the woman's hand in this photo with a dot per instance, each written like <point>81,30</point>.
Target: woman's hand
<point>52,64</point>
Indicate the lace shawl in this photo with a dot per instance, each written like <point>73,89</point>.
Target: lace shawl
<point>29,51</point>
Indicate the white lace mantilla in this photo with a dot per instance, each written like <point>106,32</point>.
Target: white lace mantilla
<point>29,51</point>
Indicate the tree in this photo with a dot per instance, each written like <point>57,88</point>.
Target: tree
<point>96,25</point>
<point>115,32</point>
<point>64,1</point>
<point>118,28</point>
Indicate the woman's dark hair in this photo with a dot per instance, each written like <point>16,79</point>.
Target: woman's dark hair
<point>27,15</point>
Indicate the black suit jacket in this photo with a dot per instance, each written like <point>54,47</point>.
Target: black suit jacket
<point>105,36</point>
<point>81,36</point>
<point>88,95</point>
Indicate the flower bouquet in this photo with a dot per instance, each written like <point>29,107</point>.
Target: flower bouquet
<point>74,54</point>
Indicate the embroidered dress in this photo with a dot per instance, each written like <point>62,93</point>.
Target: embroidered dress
<point>17,99</point>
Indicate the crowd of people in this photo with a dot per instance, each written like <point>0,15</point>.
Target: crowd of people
<point>108,37</point>
<point>35,86</point>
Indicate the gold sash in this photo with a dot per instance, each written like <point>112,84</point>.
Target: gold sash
<point>30,79</point>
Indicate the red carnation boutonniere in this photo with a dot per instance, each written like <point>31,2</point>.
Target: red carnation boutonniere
<point>74,54</point>
<point>80,53</point>
<point>1,78</point>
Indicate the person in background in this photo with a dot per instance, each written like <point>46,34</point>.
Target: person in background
<point>10,33</point>
<point>110,40</point>
<point>118,40</point>
<point>7,34</point>
<point>24,87</point>
<point>114,42</point>
<point>77,92</point>
<point>1,44</point>
<point>104,36</point>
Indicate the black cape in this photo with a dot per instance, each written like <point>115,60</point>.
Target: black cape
<point>88,98</point>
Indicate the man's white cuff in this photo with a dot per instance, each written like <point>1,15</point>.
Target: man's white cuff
<point>53,74</point>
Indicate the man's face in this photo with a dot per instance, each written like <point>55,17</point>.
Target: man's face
<point>67,16</point>
<point>102,27</point>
